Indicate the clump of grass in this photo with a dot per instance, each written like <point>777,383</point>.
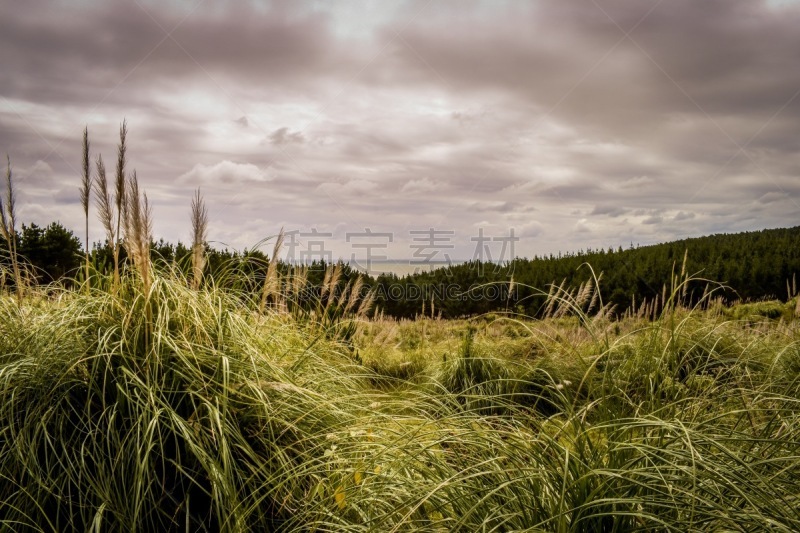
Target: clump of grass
<point>478,381</point>
<point>192,417</point>
<point>755,311</point>
<point>395,371</point>
<point>335,310</point>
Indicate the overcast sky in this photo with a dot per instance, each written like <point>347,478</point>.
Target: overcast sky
<point>585,123</point>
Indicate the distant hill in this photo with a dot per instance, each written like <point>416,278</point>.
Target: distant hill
<point>754,265</point>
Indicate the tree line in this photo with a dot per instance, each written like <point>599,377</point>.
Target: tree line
<point>745,266</point>
<point>751,265</point>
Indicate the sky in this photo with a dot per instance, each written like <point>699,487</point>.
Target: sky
<point>429,130</point>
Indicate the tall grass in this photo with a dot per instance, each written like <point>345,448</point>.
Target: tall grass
<point>210,414</point>
<point>128,422</point>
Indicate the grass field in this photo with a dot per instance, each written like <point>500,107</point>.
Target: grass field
<point>145,407</point>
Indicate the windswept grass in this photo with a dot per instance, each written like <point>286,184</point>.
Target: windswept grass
<point>166,406</point>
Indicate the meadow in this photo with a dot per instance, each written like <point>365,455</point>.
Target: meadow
<point>163,406</point>
<point>149,397</point>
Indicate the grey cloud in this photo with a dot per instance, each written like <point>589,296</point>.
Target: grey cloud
<point>38,175</point>
<point>284,136</point>
<point>422,185</point>
<point>690,59</point>
<point>127,41</point>
<point>531,229</point>
<point>582,226</point>
<point>501,207</point>
<point>225,173</point>
<point>611,211</point>
<point>67,196</point>
<point>772,197</point>
<point>571,191</point>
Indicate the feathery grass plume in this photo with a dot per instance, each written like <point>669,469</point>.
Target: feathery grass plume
<point>642,309</point>
<point>105,205</point>
<point>552,298</point>
<point>333,274</point>
<point>3,217</point>
<point>355,294</point>
<point>271,288</point>
<point>199,237</point>
<point>295,295</point>
<point>566,302</point>
<point>595,299</point>
<point>299,281</point>
<point>684,275</point>
<point>325,281</point>
<point>341,301</point>
<point>86,188</point>
<point>510,292</point>
<point>8,226</point>
<point>584,293</point>
<point>138,226</point>
<point>119,199</point>
<point>329,287</point>
<point>366,304</point>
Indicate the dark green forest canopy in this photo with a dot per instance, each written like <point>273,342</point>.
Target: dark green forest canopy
<point>754,265</point>
<point>50,253</point>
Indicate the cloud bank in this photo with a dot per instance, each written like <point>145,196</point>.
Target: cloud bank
<point>588,124</point>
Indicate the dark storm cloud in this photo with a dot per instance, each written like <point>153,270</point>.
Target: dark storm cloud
<point>728,56</point>
<point>609,210</point>
<point>430,112</point>
<point>77,53</point>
